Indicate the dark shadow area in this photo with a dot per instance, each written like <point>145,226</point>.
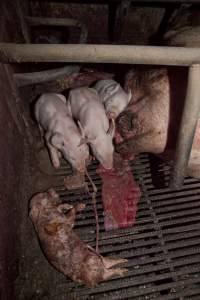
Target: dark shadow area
<point>156,169</point>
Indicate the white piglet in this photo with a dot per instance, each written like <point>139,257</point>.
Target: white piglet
<point>114,98</point>
<point>62,136</point>
<point>88,110</point>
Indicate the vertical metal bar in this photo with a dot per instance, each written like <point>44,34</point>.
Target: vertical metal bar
<point>158,36</point>
<point>121,14</point>
<point>187,128</point>
<point>112,10</point>
<point>23,23</point>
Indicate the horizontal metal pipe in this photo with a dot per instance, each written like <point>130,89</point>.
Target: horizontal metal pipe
<point>187,128</point>
<point>24,79</point>
<point>178,56</point>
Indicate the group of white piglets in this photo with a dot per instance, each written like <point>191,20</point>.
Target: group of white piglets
<point>86,118</point>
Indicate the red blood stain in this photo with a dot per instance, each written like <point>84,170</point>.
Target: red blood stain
<point>120,194</point>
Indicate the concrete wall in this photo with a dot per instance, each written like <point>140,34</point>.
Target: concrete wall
<point>11,166</point>
<point>13,158</point>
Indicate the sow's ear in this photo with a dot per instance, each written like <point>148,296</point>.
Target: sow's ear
<point>84,139</point>
<point>111,130</point>
<point>57,140</point>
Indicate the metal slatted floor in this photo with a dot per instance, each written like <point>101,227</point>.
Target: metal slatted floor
<point>163,248</point>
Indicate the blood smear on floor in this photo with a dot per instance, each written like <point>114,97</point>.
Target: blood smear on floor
<point>120,195</point>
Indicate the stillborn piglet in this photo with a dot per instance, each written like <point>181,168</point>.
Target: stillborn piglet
<point>62,136</point>
<point>62,246</point>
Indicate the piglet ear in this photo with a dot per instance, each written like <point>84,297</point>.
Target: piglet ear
<point>111,130</point>
<point>81,129</point>
<point>52,193</point>
<point>83,141</point>
<point>56,140</point>
<point>129,95</point>
<point>64,206</point>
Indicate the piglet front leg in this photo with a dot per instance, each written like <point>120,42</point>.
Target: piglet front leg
<point>54,155</point>
<point>41,133</point>
<point>71,215</point>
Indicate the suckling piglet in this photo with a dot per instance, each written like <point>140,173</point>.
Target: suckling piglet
<point>114,98</point>
<point>87,108</point>
<point>62,136</point>
<point>63,247</point>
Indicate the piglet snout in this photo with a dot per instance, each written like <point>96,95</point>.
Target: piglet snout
<point>81,168</point>
<point>108,164</point>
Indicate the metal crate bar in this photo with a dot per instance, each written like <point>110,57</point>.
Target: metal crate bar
<point>187,128</point>
<point>179,56</point>
<point>122,54</point>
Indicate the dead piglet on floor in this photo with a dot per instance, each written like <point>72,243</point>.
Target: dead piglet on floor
<point>87,108</point>
<point>62,136</point>
<point>112,95</point>
<point>62,246</point>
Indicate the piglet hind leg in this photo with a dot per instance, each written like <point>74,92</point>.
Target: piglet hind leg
<point>114,272</point>
<point>110,262</point>
<point>41,131</point>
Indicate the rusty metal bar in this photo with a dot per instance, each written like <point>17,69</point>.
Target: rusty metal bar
<point>24,79</point>
<point>179,56</point>
<point>187,128</point>
<point>65,22</point>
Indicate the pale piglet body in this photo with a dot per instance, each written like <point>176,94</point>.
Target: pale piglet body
<point>87,108</point>
<point>63,247</point>
<point>61,133</point>
<point>112,95</point>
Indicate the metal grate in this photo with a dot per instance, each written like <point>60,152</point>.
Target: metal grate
<point>163,248</point>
